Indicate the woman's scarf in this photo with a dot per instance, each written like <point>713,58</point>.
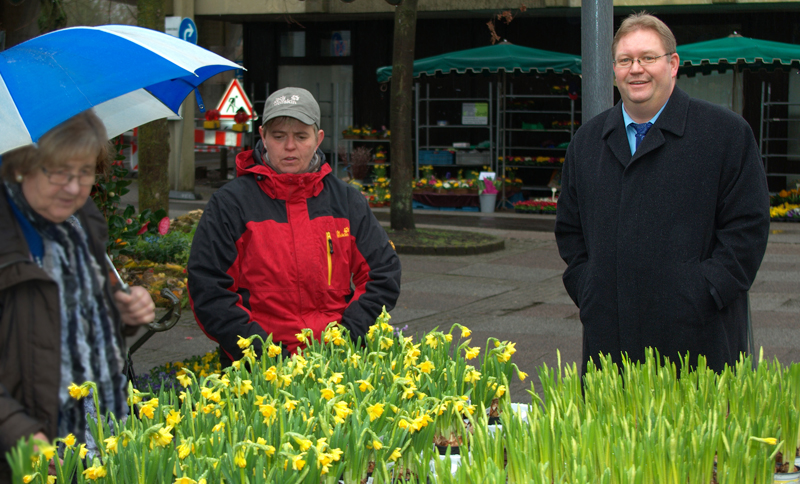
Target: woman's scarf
<point>89,349</point>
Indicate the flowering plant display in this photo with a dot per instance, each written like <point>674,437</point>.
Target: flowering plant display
<point>380,154</point>
<point>541,205</point>
<point>785,211</point>
<point>785,196</point>
<point>338,410</point>
<point>367,132</point>
<point>352,132</point>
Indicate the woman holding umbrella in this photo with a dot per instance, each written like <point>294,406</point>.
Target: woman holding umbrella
<point>59,321</point>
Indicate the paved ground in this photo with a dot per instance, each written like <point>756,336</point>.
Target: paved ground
<point>516,294</point>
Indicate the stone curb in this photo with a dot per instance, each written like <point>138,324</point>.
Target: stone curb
<point>484,248</point>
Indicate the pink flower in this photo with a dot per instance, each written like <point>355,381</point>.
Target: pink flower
<point>144,228</point>
<point>163,226</point>
<point>128,221</point>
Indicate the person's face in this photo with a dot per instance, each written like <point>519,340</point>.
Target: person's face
<point>56,202</point>
<point>645,88</point>
<point>291,145</point>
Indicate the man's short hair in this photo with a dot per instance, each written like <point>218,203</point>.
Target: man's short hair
<point>644,21</point>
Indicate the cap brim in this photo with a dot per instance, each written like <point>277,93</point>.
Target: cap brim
<point>289,112</point>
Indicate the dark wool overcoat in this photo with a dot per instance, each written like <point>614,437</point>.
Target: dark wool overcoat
<point>662,246</point>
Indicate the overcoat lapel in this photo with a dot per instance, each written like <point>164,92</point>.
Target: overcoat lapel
<point>672,119</point>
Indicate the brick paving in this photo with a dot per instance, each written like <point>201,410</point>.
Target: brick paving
<point>517,294</point>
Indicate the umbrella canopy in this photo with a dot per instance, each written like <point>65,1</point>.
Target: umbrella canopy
<point>504,56</point>
<point>129,75</point>
<point>724,53</point>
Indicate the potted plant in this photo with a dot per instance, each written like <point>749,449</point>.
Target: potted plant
<point>359,162</point>
<point>351,133</point>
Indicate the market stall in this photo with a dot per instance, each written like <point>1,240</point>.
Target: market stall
<point>734,54</point>
<point>441,139</point>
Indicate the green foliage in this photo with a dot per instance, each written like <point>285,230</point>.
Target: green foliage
<point>124,228</point>
<point>172,247</point>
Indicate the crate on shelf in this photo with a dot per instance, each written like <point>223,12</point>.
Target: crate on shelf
<point>476,158</point>
<point>435,157</point>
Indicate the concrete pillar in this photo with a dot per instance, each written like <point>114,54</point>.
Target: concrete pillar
<point>181,173</point>
<point>597,33</point>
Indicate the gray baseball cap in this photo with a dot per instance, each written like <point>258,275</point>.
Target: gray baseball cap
<point>294,102</point>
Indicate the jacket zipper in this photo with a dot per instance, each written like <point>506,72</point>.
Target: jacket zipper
<point>330,256</point>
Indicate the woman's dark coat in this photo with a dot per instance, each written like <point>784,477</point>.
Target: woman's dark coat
<point>30,332</point>
<point>662,246</point>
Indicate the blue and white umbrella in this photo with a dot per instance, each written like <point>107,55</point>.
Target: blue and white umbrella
<point>129,75</point>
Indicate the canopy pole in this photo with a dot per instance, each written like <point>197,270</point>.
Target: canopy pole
<point>597,26</point>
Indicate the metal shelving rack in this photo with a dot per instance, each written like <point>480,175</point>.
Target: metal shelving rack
<point>765,139</point>
<point>425,126</point>
<point>505,134</point>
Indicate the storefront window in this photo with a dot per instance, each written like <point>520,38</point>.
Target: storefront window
<point>293,44</point>
<point>335,44</point>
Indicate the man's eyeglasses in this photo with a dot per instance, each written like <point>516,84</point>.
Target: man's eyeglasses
<point>625,62</point>
<point>63,177</point>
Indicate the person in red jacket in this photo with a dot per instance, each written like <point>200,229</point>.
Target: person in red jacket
<point>287,245</point>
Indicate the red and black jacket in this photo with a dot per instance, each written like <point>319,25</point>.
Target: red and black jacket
<point>274,254</point>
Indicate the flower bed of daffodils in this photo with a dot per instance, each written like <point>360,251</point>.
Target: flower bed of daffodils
<point>338,412</point>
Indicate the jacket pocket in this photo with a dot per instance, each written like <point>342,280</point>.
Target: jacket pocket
<point>329,254</point>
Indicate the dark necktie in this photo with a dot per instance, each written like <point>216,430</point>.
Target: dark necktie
<point>641,130</point>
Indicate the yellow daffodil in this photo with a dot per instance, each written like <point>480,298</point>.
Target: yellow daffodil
<point>185,449</point>
<point>239,459</point>
<point>396,454</point>
<point>471,376</point>
<point>375,444</point>
<point>51,479</point>
<point>465,332</point>
<point>273,351</point>
<point>501,390</point>
<point>78,392</point>
<point>472,353</point>
<point>298,463</point>
<point>69,440</point>
<point>522,375</point>
<point>290,405</point>
<point>250,353</point>
<point>95,472</point>
<point>267,411</point>
<point>448,337</point>
<point>431,340</point>
<point>146,411</point>
<point>300,337</point>
<point>243,343</point>
<point>304,444</point>
<point>174,418</point>
<point>29,478</point>
<point>271,374</point>
<point>185,480</point>
<point>426,366</point>
<point>237,365</point>
<point>134,398</point>
<point>327,393</point>
<point>375,411</point>
<point>219,427</point>
<point>82,451</point>
<point>243,388</point>
<point>111,444</point>
<point>162,438</point>
<point>341,389</point>
<point>336,378</point>
<point>766,440</point>
<point>364,385</point>
<point>48,451</point>
<point>184,380</point>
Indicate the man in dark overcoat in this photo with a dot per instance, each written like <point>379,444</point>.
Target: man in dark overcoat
<point>664,213</point>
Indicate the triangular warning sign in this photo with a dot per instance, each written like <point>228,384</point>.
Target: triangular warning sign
<point>234,99</point>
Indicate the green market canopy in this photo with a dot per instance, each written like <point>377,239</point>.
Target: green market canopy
<point>502,57</point>
<point>743,52</point>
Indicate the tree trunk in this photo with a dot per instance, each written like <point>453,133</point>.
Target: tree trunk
<point>402,156</point>
<point>153,136</point>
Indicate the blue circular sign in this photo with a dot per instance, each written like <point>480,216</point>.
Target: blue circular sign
<point>188,30</point>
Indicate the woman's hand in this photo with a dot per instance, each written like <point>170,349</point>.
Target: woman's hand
<point>136,308</point>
